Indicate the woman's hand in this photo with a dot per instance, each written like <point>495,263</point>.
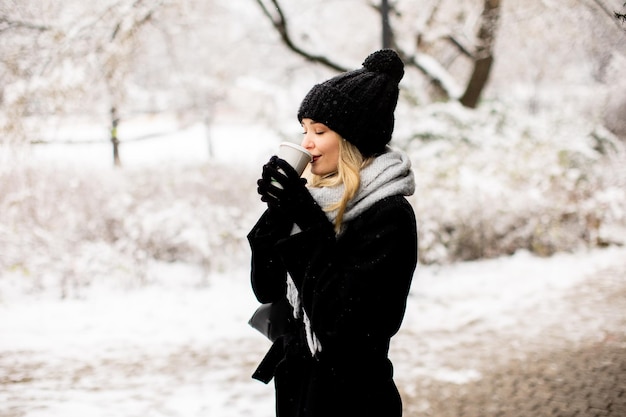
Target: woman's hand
<point>285,192</point>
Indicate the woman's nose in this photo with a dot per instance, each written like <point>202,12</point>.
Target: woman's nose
<point>307,143</point>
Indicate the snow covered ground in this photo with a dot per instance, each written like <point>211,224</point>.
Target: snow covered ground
<point>177,348</point>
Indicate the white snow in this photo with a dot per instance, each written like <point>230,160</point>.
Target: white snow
<point>176,348</point>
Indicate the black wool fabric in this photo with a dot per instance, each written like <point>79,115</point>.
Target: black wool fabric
<point>354,289</point>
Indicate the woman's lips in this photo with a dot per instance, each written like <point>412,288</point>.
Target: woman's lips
<point>315,158</point>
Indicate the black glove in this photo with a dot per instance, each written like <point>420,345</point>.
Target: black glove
<point>285,192</point>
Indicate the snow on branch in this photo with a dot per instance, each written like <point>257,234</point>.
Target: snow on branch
<point>434,70</point>
<point>8,24</point>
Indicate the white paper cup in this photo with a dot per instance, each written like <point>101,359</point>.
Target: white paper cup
<point>295,155</point>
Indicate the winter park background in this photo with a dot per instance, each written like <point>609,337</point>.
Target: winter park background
<point>124,290</point>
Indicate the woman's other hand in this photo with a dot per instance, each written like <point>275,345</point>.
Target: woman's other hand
<point>285,191</point>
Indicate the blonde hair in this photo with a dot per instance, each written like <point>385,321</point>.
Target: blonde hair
<point>349,166</point>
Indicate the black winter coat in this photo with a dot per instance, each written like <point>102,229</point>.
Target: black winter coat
<point>354,289</point>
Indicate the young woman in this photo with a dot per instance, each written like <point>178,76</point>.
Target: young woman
<point>340,251</point>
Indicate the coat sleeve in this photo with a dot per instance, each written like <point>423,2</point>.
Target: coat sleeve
<point>355,288</point>
<point>268,274</point>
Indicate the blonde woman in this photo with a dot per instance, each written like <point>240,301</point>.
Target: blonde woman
<point>340,250</point>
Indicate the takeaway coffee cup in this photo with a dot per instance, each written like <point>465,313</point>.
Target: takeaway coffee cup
<point>295,155</point>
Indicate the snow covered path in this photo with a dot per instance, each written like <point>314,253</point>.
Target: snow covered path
<point>178,348</point>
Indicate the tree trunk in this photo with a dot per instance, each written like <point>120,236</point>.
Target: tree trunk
<point>114,140</point>
<point>386,26</point>
<point>477,82</point>
<point>483,59</point>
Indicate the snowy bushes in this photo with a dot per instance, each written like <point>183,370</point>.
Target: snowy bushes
<point>491,182</point>
<point>78,226</point>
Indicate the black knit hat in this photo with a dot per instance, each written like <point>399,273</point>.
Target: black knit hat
<point>359,104</point>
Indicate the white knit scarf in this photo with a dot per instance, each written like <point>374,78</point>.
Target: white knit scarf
<point>387,175</point>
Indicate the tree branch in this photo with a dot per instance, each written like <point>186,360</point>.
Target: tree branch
<point>611,15</point>
<point>621,16</point>
<point>462,48</point>
<point>419,38</point>
<point>432,69</point>
<point>280,24</point>
<point>8,24</point>
<point>423,62</point>
<point>137,22</point>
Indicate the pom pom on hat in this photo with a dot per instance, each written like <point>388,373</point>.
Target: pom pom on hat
<point>359,104</point>
<point>385,61</point>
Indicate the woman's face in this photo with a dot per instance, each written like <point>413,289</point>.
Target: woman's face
<point>323,143</point>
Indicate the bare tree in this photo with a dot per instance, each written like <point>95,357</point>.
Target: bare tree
<point>116,58</point>
<point>51,61</point>
<point>55,63</point>
<point>481,54</point>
